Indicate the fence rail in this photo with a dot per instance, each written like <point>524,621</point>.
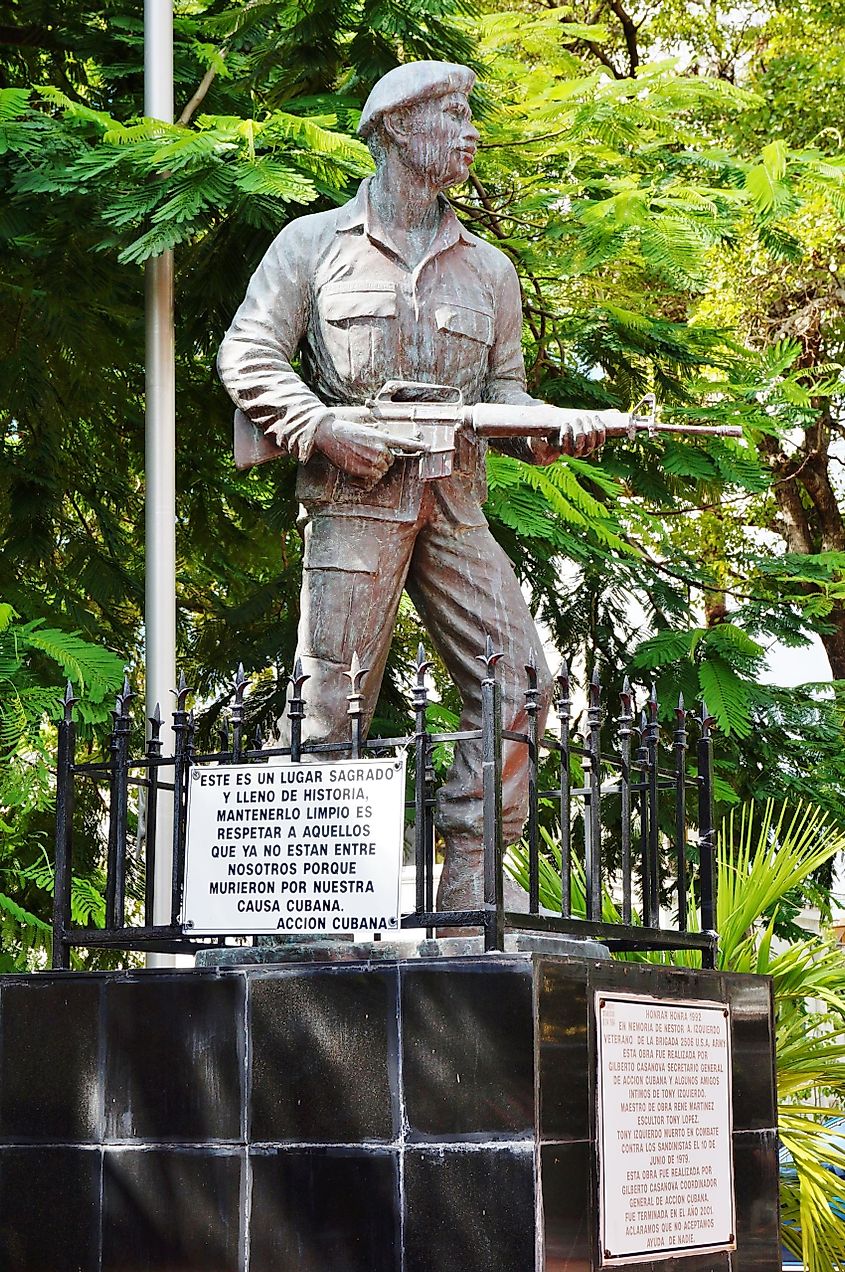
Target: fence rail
<point>609,833</point>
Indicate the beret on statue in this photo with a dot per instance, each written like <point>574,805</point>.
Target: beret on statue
<point>413,82</point>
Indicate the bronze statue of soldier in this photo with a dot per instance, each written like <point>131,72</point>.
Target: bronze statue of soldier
<point>392,287</point>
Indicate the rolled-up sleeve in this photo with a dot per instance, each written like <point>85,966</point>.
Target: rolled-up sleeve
<point>255,357</point>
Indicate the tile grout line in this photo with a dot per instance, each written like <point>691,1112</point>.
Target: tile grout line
<point>102,1207</point>
<point>539,1214</point>
<point>403,1118</point>
<point>102,1062</point>
<point>233,1148</point>
<point>246,1098</point>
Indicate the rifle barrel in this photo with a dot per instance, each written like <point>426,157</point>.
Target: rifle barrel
<point>688,430</point>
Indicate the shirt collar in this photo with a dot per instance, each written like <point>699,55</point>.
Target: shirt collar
<point>359,213</point>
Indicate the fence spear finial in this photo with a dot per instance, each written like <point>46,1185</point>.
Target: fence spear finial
<point>420,697</point>
<point>706,720</point>
<point>181,692</point>
<point>490,657</point>
<point>595,688</point>
<point>297,679</point>
<point>356,673</point>
<point>653,705</point>
<point>241,682</point>
<point>423,664</point>
<point>68,701</point>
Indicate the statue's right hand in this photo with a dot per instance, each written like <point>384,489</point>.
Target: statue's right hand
<point>355,448</point>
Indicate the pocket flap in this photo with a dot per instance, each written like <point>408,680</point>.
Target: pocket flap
<point>337,543</point>
<point>461,321</point>
<point>341,304</point>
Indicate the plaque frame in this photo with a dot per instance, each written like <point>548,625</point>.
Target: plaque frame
<point>606,1258</point>
<point>255,927</point>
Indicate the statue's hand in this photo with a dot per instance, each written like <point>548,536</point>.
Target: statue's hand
<point>580,436</point>
<point>356,449</point>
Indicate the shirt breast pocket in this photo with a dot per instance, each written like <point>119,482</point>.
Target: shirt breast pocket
<point>464,336</point>
<point>474,325</point>
<point>358,323</point>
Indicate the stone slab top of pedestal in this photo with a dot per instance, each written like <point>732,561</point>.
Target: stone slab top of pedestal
<point>340,951</point>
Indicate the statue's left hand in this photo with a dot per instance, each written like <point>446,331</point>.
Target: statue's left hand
<point>581,437</point>
<point>543,451</point>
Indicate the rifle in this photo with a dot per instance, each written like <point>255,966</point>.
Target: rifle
<point>422,421</point>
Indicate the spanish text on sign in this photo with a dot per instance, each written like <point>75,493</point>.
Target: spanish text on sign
<point>294,848</point>
<point>665,1126</point>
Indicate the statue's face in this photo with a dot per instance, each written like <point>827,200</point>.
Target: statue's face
<point>438,139</point>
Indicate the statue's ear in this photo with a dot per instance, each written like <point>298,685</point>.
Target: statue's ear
<point>395,125</point>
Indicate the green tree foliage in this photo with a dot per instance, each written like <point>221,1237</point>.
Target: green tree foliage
<point>789,57</point>
<point>34,660</point>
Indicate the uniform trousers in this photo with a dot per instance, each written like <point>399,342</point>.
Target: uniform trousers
<point>464,589</point>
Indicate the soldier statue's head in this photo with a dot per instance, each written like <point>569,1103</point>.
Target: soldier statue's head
<point>418,117</point>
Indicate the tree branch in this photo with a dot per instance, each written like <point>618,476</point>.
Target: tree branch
<point>202,88</point>
<point>600,55</point>
<point>630,33</point>
<point>496,227</point>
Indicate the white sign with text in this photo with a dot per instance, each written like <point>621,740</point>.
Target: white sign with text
<point>300,849</point>
<point>664,1100</point>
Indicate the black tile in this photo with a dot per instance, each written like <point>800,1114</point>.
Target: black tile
<point>468,1051</point>
<point>171,1210</point>
<point>671,983</point>
<point>469,1210</point>
<point>50,1207</point>
<point>569,1206</point>
<point>324,1056</point>
<point>752,1053</point>
<point>174,1057</point>
<point>756,1192</point>
<point>563,1073</point>
<point>50,1079</point>
<point>325,1210</point>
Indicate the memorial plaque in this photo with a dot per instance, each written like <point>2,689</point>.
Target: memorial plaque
<point>664,1102</point>
<point>294,848</point>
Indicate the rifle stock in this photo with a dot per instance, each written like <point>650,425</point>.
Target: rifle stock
<point>252,446</point>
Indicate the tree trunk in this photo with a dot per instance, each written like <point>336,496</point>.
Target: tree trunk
<point>811,519</point>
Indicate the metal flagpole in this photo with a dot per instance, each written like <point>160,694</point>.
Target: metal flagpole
<point>160,421</point>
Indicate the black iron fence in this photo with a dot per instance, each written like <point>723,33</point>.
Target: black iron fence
<point>619,817</point>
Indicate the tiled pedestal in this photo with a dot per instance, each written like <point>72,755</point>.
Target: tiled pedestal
<point>408,1117</point>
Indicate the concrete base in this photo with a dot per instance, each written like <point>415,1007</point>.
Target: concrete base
<point>270,952</point>
<point>432,1114</point>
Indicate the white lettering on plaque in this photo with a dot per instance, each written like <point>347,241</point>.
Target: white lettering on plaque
<point>294,848</point>
<point>664,1101</point>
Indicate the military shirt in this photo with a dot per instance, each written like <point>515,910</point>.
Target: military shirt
<point>334,290</point>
